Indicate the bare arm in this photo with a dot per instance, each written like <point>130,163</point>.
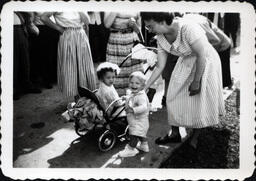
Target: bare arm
<point>225,41</point>
<point>84,17</point>
<point>45,17</point>
<point>161,62</point>
<point>109,19</point>
<point>86,20</point>
<point>198,48</point>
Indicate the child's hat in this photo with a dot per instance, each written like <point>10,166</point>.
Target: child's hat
<point>108,65</point>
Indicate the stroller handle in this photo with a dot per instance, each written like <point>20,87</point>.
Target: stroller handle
<point>130,54</point>
<point>112,103</point>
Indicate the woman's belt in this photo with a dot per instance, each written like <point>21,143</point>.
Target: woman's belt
<point>127,30</point>
<point>72,28</point>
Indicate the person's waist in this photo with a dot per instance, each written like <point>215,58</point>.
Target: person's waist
<point>73,28</point>
<point>126,30</point>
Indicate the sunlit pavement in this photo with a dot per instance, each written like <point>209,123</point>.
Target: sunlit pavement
<point>56,145</point>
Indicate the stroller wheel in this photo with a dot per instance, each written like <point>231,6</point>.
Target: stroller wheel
<point>107,141</point>
<point>80,131</point>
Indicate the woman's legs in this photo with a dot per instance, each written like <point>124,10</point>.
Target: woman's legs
<point>194,139</point>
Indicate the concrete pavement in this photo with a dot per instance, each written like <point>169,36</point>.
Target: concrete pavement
<point>56,145</point>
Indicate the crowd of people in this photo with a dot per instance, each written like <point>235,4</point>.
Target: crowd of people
<point>193,57</point>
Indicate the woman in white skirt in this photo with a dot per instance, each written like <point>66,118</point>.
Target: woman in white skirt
<point>194,97</point>
<point>75,67</point>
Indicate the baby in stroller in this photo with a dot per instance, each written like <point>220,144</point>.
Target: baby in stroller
<point>106,93</point>
<point>86,111</point>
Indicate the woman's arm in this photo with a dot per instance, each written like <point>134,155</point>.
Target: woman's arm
<point>160,64</point>
<point>225,41</point>
<point>135,23</point>
<point>86,20</point>
<point>32,28</point>
<point>84,17</point>
<point>45,17</point>
<point>109,19</point>
<point>198,48</point>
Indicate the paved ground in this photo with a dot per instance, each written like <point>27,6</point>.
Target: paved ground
<point>56,144</point>
<point>51,145</point>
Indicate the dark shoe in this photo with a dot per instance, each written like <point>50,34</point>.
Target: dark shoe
<point>168,139</point>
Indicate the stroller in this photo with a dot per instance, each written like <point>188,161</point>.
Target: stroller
<point>115,127</point>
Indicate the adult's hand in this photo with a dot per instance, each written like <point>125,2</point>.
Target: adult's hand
<point>132,23</point>
<point>45,17</point>
<point>32,28</point>
<point>194,88</point>
<point>61,30</point>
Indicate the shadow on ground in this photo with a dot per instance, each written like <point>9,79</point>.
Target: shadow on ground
<point>218,147</point>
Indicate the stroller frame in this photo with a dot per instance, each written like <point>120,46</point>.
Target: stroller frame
<point>107,136</point>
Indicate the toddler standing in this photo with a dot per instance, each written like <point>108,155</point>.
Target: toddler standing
<point>137,110</point>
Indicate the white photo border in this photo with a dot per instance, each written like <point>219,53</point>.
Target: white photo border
<point>247,79</point>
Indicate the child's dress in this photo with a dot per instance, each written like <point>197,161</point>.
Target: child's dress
<point>106,95</point>
<point>138,121</point>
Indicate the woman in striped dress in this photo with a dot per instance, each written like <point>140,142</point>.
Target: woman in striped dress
<point>194,98</point>
<point>123,34</point>
<point>75,67</point>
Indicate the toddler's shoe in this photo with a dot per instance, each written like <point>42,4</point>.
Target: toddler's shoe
<point>128,152</point>
<point>143,146</point>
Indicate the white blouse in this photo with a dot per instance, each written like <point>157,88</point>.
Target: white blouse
<point>68,19</point>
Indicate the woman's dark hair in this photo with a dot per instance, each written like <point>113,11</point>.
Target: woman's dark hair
<point>103,71</point>
<point>157,16</point>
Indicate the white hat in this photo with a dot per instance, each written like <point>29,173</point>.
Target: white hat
<point>108,65</point>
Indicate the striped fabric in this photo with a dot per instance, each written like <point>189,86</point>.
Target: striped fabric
<point>203,109</point>
<point>75,66</point>
<point>119,46</point>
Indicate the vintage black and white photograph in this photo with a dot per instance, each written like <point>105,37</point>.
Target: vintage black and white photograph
<point>133,88</point>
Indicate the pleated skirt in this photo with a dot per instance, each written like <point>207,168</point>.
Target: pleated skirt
<point>118,47</point>
<point>203,109</point>
<point>75,66</point>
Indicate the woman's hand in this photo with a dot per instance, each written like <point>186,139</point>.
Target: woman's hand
<point>33,29</point>
<point>45,18</point>
<point>194,88</point>
<point>132,23</point>
<point>60,30</point>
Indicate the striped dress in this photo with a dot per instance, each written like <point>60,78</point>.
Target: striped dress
<point>203,109</point>
<point>120,43</point>
<point>75,67</point>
